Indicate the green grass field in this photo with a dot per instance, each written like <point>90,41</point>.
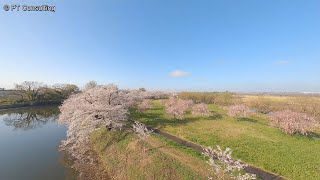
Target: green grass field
<point>251,139</point>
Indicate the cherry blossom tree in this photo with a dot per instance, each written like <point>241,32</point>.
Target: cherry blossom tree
<point>156,94</point>
<point>142,131</point>
<point>292,122</point>
<point>177,107</point>
<point>145,105</point>
<point>87,111</point>
<point>200,110</point>
<point>239,111</point>
<point>223,163</point>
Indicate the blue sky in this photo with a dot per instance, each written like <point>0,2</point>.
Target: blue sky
<point>161,44</point>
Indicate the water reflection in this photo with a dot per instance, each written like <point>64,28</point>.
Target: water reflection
<point>30,118</point>
<point>29,141</point>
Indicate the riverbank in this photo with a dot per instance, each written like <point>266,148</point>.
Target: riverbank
<point>29,104</point>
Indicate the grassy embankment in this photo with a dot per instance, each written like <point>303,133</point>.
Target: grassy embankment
<point>123,157</point>
<point>253,141</point>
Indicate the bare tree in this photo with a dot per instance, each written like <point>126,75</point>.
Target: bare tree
<point>29,89</point>
<point>91,84</point>
<point>65,90</point>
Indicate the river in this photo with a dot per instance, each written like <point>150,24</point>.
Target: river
<point>29,141</point>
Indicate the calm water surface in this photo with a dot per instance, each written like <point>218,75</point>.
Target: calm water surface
<point>29,140</point>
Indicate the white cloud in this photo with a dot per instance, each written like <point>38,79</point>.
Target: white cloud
<point>179,73</point>
<point>282,62</point>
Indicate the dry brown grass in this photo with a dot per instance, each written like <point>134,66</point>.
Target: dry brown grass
<point>303,104</point>
<point>124,158</point>
<point>188,160</point>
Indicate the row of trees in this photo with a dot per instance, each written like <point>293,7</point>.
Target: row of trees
<point>177,108</point>
<point>221,161</point>
<point>221,98</point>
<point>288,121</point>
<point>37,91</point>
<point>34,92</point>
<point>99,106</point>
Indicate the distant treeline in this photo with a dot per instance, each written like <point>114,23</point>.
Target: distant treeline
<point>221,98</point>
<point>32,93</point>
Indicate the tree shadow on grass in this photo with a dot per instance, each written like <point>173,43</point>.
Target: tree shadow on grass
<point>156,109</point>
<point>247,119</point>
<point>313,135</point>
<point>111,137</point>
<point>159,120</point>
<point>213,116</point>
<point>163,122</point>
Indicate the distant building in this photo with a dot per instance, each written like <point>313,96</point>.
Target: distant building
<point>2,89</point>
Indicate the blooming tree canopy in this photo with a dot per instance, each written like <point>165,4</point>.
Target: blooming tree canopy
<point>239,110</point>
<point>293,122</point>
<point>142,130</point>
<point>85,112</point>
<point>145,105</point>
<point>223,163</point>
<point>200,110</point>
<point>177,107</point>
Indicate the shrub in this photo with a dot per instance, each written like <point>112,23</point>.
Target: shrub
<point>200,110</point>
<point>292,122</point>
<point>239,110</point>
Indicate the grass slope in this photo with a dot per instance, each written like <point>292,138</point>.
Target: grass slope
<point>294,157</point>
<point>123,157</point>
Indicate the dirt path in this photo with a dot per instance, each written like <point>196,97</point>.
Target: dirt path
<point>250,169</point>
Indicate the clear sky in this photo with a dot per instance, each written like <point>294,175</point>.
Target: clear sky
<point>213,45</point>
